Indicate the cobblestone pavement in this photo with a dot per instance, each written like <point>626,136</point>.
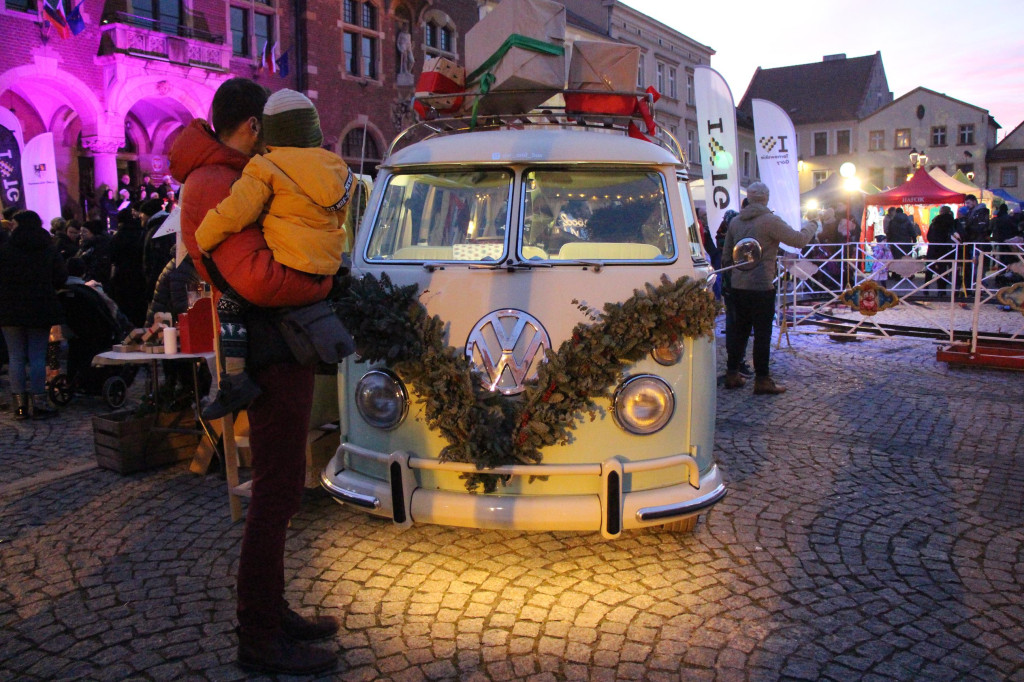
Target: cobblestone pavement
<point>874,530</point>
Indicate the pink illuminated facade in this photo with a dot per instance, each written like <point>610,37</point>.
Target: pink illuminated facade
<point>116,94</point>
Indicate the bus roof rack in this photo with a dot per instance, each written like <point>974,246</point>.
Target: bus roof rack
<point>548,115</point>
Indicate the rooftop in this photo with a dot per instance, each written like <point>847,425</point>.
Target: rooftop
<point>830,90</point>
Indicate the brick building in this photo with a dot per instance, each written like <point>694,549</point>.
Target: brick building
<point>116,95</point>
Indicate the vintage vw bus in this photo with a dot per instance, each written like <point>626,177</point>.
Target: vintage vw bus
<point>516,233</point>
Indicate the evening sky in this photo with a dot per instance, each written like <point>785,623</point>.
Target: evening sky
<point>971,51</point>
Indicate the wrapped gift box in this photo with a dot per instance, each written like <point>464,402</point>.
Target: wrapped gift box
<point>521,44</point>
<point>440,76</point>
<point>602,67</point>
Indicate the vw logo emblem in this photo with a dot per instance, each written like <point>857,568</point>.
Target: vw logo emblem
<point>507,346</point>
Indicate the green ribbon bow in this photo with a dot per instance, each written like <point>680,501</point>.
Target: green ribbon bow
<point>483,72</point>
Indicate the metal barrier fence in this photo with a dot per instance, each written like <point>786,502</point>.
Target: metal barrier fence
<point>849,289</point>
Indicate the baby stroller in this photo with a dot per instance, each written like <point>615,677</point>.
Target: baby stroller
<point>92,329</point>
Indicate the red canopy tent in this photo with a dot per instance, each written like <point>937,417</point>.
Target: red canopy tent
<point>920,189</point>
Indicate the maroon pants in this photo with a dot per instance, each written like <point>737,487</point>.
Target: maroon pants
<point>278,424</point>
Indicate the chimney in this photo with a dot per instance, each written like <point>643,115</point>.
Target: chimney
<point>834,57</point>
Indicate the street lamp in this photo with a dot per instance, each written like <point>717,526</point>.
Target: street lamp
<point>918,159</point>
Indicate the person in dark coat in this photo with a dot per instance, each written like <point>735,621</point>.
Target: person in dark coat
<point>66,246</point>
<point>900,235</point>
<point>108,210</point>
<point>156,251</point>
<point>127,275</point>
<point>942,239</point>
<point>31,271</point>
<point>94,250</point>
<point>171,295</point>
<point>1005,228</point>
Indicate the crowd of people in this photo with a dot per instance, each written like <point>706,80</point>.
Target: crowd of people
<point>115,252</point>
<point>831,236</point>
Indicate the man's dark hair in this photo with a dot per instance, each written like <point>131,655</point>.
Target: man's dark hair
<point>9,212</point>
<point>234,102</point>
<point>971,197</point>
<point>150,207</point>
<point>28,219</point>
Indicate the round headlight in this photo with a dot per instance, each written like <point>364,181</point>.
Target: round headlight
<point>668,355</point>
<point>644,404</point>
<point>381,399</point>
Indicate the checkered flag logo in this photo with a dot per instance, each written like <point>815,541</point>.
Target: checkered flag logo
<point>715,148</point>
<point>767,143</point>
<point>6,169</point>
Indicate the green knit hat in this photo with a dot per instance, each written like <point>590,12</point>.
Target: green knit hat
<point>290,120</point>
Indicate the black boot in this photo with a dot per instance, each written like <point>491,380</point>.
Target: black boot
<point>276,652</point>
<point>236,392</point>
<point>21,406</point>
<point>41,407</point>
<point>307,629</point>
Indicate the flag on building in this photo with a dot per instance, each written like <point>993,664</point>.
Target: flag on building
<point>719,148</point>
<point>282,64</point>
<point>55,15</point>
<point>268,60</point>
<point>75,21</point>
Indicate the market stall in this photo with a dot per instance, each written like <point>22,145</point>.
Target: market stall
<point>920,192</point>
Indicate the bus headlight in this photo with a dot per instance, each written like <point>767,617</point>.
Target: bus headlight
<point>668,355</point>
<point>644,404</point>
<point>381,399</point>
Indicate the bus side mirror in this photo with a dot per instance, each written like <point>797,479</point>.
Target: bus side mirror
<point>746,254</point>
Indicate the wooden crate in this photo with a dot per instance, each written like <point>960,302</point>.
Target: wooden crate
<point>126,443</point>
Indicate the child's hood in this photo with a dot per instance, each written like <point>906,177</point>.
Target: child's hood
<point>320,174</point>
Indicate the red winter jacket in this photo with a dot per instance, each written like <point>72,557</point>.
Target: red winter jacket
<point>207,169</point>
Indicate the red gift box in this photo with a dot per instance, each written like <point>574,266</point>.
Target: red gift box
<point>594,103</point>
<point>195,328</point>
<point>440,77</point>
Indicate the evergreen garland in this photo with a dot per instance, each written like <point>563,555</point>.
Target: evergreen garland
<point>489,429</point>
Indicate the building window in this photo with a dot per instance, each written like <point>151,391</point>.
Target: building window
<point>352,146</point>
<point>690,146</point>
<point>746,165</point>
<point>361,38</point>
<point>22,6</point>
<point>901,174</point>
<point>673,90</point>
<point>966,133</point>
<point>159,15</point>
<point>967,168</point>
<point>876,176</point>
<point>640,74</point>
<point>820,144</point>
<point>439,35</point>
<point>902,140</point>
<point>939,136</point>
<point>1008,177</point>
<point>876,140</point>
<point>843,142</point>
<point>818,177</point>
<point>252,27</point>
<point>661,77</point>
<point>689,88</point>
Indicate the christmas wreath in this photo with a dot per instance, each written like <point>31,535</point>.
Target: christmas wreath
<point>488,429</point>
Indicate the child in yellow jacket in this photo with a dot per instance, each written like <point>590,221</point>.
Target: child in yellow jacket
<point>299,194</point>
